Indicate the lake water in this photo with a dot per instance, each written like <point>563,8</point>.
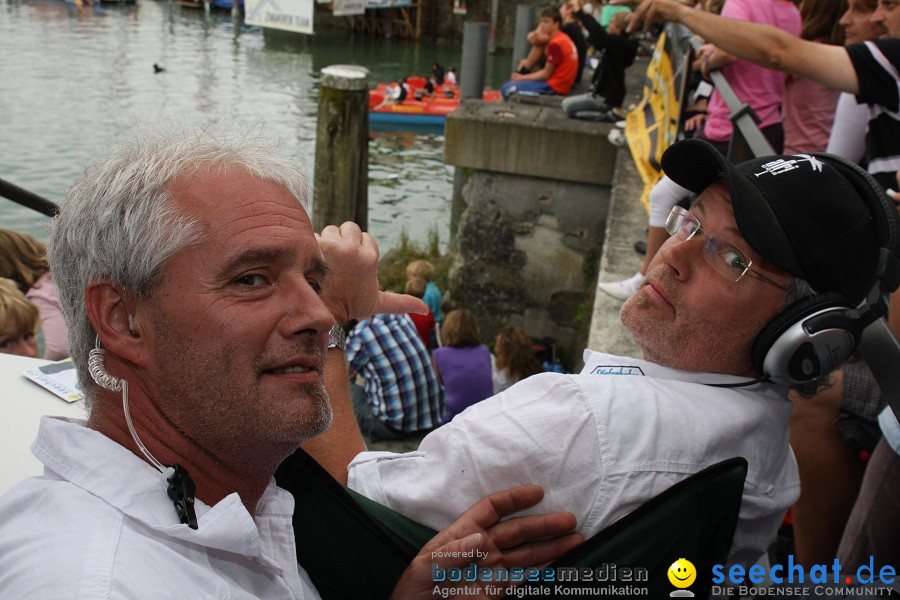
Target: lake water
<point>74,79</point>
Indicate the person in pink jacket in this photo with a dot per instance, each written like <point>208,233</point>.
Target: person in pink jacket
<point>23,259</point>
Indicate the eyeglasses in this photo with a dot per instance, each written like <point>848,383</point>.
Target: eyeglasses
<point>725,259</point>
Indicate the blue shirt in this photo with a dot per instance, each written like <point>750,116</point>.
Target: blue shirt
<point>400,382</point>
<point>432,298</point>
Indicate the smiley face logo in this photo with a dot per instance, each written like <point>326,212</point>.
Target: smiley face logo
<point>682,573</point>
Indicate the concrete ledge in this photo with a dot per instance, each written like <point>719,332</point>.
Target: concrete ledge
<point>539,100</point>
<point>532,140</point>
<point>626,223</point>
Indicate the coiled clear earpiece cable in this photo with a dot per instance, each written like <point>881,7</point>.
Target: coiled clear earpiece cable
<point>104,379</point>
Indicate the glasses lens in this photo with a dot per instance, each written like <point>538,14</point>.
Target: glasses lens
<point>681,224</point>
<point>725,259</point>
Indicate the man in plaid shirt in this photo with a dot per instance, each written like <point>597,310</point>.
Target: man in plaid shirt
<point>401,393</point>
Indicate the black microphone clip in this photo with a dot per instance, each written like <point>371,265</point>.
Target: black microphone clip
<point>181,491</point>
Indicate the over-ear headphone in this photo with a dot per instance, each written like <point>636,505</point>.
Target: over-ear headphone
<point>815,335</point>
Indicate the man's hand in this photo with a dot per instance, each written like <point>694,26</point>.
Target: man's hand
<point>517,542</point>
<point>351,289</point>
<point>653,10</point>
<point>695,122</point>
<point>704,55</point>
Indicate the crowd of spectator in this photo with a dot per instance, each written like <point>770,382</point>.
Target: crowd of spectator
<point>413,372</point>
<point>600,443</point>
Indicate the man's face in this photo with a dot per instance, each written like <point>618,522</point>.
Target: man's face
<point>858,23</point>
<point>549,26</point>
<point>688,316</point>
<point>238,326</point>
<point>567,12</point>
<point>888,16</point>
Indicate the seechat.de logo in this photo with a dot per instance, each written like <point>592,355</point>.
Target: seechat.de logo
<point>794,578</point>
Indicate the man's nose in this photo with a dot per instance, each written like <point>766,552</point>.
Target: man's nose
<point>307,311</point>
<point>682,255</point>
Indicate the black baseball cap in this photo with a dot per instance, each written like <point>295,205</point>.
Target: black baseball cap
<point>803,213</point>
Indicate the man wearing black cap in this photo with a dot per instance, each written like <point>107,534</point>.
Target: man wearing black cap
<point>870,71</point>
<point>621,432</point>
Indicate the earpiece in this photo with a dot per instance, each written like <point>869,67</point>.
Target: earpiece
<point>131,323</point>
<point>97,369</point>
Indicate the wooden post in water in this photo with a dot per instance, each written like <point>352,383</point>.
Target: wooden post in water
<point>342,148</point>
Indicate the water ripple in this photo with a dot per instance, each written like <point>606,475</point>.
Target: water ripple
<point>76,78</point>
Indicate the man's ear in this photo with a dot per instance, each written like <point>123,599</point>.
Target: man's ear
<point>112,313</point>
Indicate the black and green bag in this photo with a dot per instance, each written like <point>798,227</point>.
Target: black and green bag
<point>356,549</point>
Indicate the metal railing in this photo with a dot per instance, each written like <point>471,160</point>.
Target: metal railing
<point>28,199</point>
<point>747,141</point>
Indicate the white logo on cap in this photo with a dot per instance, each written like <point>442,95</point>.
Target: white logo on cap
<point>777,167</point>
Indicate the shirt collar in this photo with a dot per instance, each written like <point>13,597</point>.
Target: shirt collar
<point>104,468</point>
<point>599,363</point>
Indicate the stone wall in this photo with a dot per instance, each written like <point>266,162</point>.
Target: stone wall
<point>528,251</point>
<point>532,202</point>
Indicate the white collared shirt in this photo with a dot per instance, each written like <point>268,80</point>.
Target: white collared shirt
<point>600,444</point>
<point>99,524</point>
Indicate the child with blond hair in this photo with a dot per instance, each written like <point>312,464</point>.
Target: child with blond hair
<point>19,321</point>
<point>415,286</point>
<point>432,297</point>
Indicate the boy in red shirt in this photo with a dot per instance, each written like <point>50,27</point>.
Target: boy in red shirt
<point>560,69</point>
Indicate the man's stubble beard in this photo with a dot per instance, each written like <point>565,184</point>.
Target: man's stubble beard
<point>195,389</point>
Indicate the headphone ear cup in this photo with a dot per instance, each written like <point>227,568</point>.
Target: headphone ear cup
<point>790,355</point>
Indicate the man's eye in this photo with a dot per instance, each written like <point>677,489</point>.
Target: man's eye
<point>734,259</point>
<point>252,280</point>
<point>690,229</point>
<point>315,285</point>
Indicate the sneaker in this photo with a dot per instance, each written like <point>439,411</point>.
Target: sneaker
<point>616,137</point>
<point>622,290</point>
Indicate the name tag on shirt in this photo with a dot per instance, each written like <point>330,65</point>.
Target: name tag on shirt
<point>616,370</point>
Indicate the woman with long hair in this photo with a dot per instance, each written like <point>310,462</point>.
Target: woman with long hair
<point>463,363</point>
<point>515,359</point>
